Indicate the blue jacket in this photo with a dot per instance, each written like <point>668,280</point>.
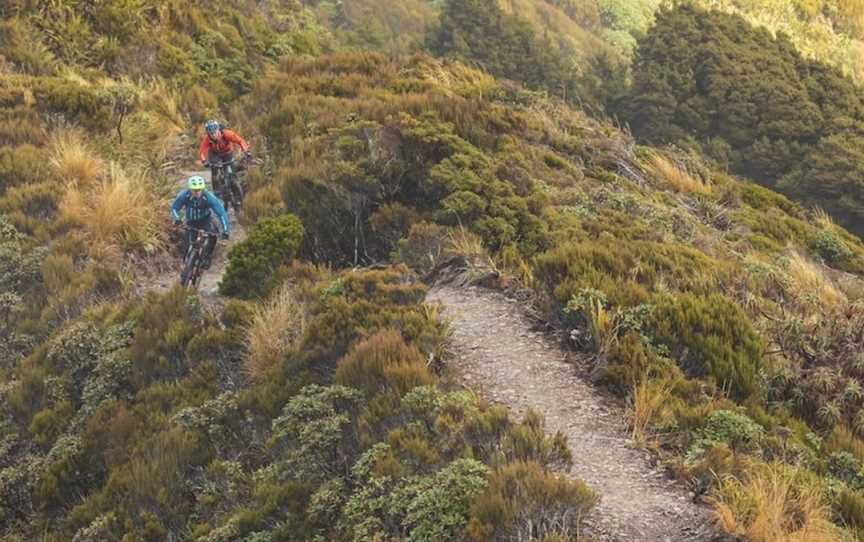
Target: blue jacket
<point>200,209</point>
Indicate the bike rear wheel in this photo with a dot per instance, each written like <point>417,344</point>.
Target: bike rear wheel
<point>236,194</point>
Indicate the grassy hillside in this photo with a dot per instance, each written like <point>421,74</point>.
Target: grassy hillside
<point>726,316</point>
<point>724,312</point>
<point>308,411</point>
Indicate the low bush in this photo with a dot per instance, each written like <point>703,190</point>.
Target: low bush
<point>710,336</point>
<point>165,326</point>
<point>21,165</point>
<point>735,430</point>
<point>526,502</point>
<point>383,363</point>
<point>271,243</point>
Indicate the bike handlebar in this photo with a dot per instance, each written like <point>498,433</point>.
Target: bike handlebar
<point>208,163</point>
<point>199,230</point>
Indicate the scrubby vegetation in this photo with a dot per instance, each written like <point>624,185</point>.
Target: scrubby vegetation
<point>310,404</point>
<point>720,308</point>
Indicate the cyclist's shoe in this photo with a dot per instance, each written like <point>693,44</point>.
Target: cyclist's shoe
<point>205,262</point>
<point>225,235</point>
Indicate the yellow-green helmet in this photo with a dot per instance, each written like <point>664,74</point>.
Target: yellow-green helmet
<point>196,182</point>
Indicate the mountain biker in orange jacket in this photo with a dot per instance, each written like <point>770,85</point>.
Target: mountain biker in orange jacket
<point>219,143</point>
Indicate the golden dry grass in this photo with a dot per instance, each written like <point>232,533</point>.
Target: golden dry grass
<point>775,503</point>
<point>166,103</point>
<point>823,219</point>
<point>677,179</point>
<point>649,399</point>
<point>275,328</point>
<point>468,244</point>
<point>806,281</point>
<point>71,159</point>
<point>122,209</point>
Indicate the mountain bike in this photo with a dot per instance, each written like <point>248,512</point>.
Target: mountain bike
<point>226,183</point>
<point>194,259</point>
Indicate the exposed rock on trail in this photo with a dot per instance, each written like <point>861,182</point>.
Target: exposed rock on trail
<point>499,355</point>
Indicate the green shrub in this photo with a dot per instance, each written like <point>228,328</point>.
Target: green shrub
<point>77,103</point>
<point>629,361</point>
<point>735,430</point>
<point>271,243</point>
<point>710,336</point>
<point>48,424</point>
<point>166,324</point>
<point>436,507</point>
<point>625,270</point>
<point>314,432</point>
<point>20,165</point>
<point>831,248</point>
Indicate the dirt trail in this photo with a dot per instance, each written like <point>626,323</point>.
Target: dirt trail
<point>208,287</point>
<point>499,355</point>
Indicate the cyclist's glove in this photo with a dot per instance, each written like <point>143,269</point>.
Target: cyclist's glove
<point>247,155</point>
<point>225,235</point>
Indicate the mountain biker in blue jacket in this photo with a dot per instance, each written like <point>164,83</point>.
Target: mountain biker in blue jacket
<point>200,205</point>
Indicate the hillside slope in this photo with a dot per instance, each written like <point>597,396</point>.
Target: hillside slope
<point>717,306</point>
<point>313,404</point>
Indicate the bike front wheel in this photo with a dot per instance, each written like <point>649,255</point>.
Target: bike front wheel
<point>191,269</point>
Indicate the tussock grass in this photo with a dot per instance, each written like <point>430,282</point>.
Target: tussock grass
<point>844,440</point>
<point>71,159</point>
<point>165,101</point>
<point>274,330</point>
<point>823,219</point>
<point>806,281</point>
<point>468,244</point>
<point>676,178</point>
<point>775,503</point>
<point>122,209</point>
<point>264,203</point>
<point>649,399</point>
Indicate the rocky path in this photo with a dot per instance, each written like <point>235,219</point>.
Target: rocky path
<point>499,355</point>
<point>208,287</point>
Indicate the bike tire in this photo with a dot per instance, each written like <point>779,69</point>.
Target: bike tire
<point>237,195</point>
<point>191,269</point>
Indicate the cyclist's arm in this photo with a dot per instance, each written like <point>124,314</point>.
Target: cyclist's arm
<point>217,207</point>
<point>204,148</point>
<point>234,137</point>
<point>178,204</point>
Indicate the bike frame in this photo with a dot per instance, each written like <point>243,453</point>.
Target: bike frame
<point>194,251</point>
<point>230,190</point>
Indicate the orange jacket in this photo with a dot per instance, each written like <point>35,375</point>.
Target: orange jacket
<point>223,145</point>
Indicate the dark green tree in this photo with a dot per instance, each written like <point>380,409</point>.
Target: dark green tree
<point>713,78</point>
